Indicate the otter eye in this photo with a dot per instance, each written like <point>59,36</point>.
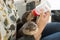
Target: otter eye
<point>27,28</point>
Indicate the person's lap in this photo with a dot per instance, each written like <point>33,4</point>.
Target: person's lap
<point>51,28</point>
<point>55,36</point>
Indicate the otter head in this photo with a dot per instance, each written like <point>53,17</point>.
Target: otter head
<point>29,28</point>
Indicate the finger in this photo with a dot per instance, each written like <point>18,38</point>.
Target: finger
<point>48,10</point>
<point>48,13</point>
<point>41,12</point>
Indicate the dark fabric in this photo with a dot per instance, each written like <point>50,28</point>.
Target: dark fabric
<point>55,18</point>
<point>51,28</point>
<point>55,36</point>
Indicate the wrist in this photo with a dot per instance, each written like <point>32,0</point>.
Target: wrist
<point>37,37</point>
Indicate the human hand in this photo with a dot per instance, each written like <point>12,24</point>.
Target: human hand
<point>41,22</point>
<point>44,17</point>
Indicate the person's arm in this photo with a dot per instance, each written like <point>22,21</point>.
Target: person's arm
<point>41,22</point>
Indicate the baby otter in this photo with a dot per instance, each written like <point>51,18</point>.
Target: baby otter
<point>29,28</point>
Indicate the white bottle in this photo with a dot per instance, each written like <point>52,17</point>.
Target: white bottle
<point>43,5</point>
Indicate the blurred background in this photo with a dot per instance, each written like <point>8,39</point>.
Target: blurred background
<point>27,5</point>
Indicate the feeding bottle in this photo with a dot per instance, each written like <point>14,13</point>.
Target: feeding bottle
<point>43,5</point>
